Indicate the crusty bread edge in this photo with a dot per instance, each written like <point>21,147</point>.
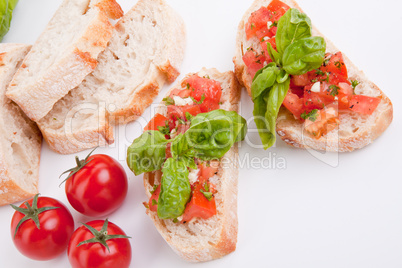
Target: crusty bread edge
<point>228,234</point>
<point>300,140</point>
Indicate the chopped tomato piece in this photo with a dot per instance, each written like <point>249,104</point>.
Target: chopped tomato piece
<point>264,32</point>
<point>205,90</point>
<point>257,21</point>
<point>254,62</point>
<point>278,9</point>
<point>158,121</point>
<point>345,93</point>
<point>264,47</point>
<point>301,80</point>
<point>207,172</point>
<point>176,112</point>
<point>335,65</point>
<point>182,128</point>
<point>363,104</point>
<point>294,104</point>
<point>182,93</point>
<point>273,30</point>
<point>153,205</point>
<point>316,100</point>
<point>199,206</point>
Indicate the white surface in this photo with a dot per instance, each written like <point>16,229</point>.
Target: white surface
<point>308,214</point>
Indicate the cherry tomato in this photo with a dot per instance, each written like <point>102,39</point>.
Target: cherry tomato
<point>56,227</point>
<point>98,187</point>
<point>108,246</point>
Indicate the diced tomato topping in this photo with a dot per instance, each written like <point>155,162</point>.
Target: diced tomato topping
<point>257,21</point>
<point>363,104</point>
<point>199,206</point>
<point>316,100</point>
<point>264,47</point>
<point>278,9</point>
<point>206,90</point>
<point>294,104</point>
<point>254,62</point>
<point>182,93</point>
<point>182,128</point>
<point>301,80</point>
<point>153,205</point>
<point>176,112</point>
<point>207,172</point>
<point>345,93</point>
<point>157,121</point>
<point>335,65</point>
<point>264,32</point>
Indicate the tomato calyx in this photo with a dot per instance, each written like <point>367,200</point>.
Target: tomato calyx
<point>100,236</point>
<point>31,212</point>
<point>80,164</point>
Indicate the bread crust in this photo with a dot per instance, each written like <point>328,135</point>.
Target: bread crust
<point>226,236</point>
<point>291,130</point>
<point>70,70</point>
<point>10,190</point>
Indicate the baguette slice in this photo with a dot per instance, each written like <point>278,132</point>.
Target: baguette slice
<point>145,51</point>
<point>355,130</point>
<point>21,140</point>
<point>204,240</point>
<point>63,55</point>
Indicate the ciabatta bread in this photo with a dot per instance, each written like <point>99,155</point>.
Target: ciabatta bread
<point>355,130</point>
<point>21,140</point>
<point>145,51</point>
<point>204,240</point>
<point>63,55</point>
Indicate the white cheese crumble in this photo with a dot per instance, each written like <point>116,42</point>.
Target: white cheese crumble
<point>316,87</point>
<point>269,23</point>
<point>193,175</point>
<point>182,102</point>
<point>173,133</point>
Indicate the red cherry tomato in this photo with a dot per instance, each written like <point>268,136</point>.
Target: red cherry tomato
<point>96,254</point>
<point>99,187</point>
<point>56,227</point>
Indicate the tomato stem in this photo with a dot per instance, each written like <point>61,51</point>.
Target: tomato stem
<point>30,213</point>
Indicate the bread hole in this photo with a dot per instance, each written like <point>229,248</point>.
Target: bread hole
<point>355,130</point>
<point>153,23</point>
<point>212,244</point>
<point>142,18</point>
<point>86,9</point>
<point>115,56</point>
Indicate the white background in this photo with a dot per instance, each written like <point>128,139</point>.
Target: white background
<point>308,214</point>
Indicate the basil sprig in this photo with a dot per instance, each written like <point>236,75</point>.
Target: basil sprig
<point>298,53</point>
<point>210,136</point>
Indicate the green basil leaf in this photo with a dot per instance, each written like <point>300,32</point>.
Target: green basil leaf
<point>147,153</point>
<point>264,80</point>
<point>273,54</point>
<point>260,108</point>
<point>304,55</point>
<point>6,14</point>
<point>175,189</point>
<point>292,26</point>
<point>213,134</point>
<point>274,101</point>
<point>282,76</point>
<point>181,151</point>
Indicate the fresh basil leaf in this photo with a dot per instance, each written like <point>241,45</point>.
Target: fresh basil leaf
<point>282,76</point>
<point>181,151</point>
<point>260,108</point>
<point>274,101</point>
<point>6,14</point>
<point>292,26</point>
<point>304,55</point>
<point>273,54</point>
<point>264,80</point>
<point>175,189</point>
<point>213,134</point>
<point>147,153</point>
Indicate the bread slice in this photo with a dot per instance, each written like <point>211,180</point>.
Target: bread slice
<point>204,240</point>
<point>63,55</point>
<point>145,51</point>
<point>355,130</point>
<point>21,140</point>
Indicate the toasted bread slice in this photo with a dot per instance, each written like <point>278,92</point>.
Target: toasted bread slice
<point>63,55</point>
<point>204,240</point>
<point>145,51</point>
<point>355,130</point>
<point>21,140</point>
